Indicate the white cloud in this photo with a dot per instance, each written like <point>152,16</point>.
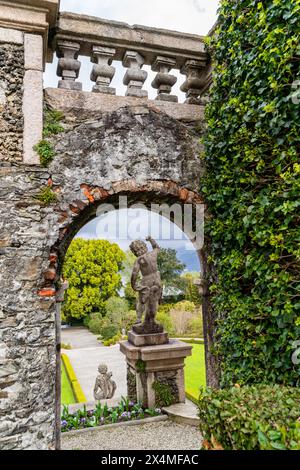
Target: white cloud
<point>127,225</point>
<point>190,16</point>
<point>140,224</point>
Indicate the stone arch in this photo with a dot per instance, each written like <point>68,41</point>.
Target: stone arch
<point>98,157</point>
<point>108,141</point>
<point>82,211</point>
<point>140,152</point>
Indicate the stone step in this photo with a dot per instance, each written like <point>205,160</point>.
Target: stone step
<point>183,413</point>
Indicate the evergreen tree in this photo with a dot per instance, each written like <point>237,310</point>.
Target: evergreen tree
<point>92,270</point>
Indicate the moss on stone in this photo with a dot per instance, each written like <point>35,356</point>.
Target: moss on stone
<point>163,394</point>
<point>46,195</point>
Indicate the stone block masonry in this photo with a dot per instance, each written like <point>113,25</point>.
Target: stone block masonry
<point>149,157</point>
<point>11,96</point>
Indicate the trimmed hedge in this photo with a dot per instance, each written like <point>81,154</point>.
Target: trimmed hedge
<point>76,387</point>
<point>251,418</point>
<point>252,188</point>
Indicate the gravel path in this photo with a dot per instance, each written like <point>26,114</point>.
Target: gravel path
<point>165,435</point>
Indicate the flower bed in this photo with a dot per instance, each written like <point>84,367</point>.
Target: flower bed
<point>103,415</point>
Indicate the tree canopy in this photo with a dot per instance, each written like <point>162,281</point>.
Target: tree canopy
<point>170,268</point>
<point>92,268</point>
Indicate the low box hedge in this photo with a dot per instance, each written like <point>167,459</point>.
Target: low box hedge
<point>76,387</point>
<point>258,417</point>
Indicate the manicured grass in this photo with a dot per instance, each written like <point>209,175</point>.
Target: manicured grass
<point>195,371</point>
<point>67,395</point>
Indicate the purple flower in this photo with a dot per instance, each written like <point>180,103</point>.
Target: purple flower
<point>158,411</point>
<point>83,420</point>
<point>64,423</point>
<point>102,419</point>
<point>131,403</point>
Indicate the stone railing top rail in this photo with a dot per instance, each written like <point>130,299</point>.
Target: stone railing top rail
<point>90,31</point>
<point>106,42</point>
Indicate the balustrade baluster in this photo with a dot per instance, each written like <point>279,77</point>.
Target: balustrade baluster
<point>135,77</point>
<point>196,79</point>
<point>164,81</point>
<point>68,66</point>
<point>103,72</point>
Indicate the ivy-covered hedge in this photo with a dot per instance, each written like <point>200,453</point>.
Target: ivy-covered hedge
<point>251,418</point>
<point>252,187</point>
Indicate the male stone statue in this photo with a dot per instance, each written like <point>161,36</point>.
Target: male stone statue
<point>104,387</point>
<point>149,289</point>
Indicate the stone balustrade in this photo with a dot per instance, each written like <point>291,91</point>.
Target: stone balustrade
<point>135,46</point>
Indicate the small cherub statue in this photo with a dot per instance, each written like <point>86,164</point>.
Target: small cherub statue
<point>150,287</point>
<point>104,387</point>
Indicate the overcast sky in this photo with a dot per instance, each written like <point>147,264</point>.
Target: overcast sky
<point>190,16</point>
<point>124,226</point>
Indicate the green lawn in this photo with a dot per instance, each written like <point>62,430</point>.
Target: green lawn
<point>195,370</point>
<point>67,396</point>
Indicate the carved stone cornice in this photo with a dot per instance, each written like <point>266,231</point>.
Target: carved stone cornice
<point>30,16</point>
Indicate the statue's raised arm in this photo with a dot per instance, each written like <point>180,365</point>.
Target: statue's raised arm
<point>153,243</point>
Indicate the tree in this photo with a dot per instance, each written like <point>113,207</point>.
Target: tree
<point>192,293</point>
<point>116,310</point>
<point>92,270</point>
<point>130,295</point>
<point>170,269</point>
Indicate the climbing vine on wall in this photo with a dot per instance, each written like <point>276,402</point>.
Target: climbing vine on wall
<point>252,187</point>
<point>52,126</point>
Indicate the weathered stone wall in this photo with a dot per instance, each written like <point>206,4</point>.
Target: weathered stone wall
<point>11,93</point>
<point>27,328</point>
<point>168,379</point>
<point>139,152</point>
<point>131,143</point>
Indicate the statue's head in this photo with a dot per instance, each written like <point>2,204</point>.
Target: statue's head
<point>102,368</point>
<point>138,248</point>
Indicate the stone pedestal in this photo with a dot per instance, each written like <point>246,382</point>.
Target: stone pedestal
<point>156,371</point>
<point>148,340</point>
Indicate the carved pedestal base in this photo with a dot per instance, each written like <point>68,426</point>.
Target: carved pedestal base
<point>156,373</point>
<point>148,340</point>
<point>166,97</point>
<point>149,328</point>
<point>70,85</point>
